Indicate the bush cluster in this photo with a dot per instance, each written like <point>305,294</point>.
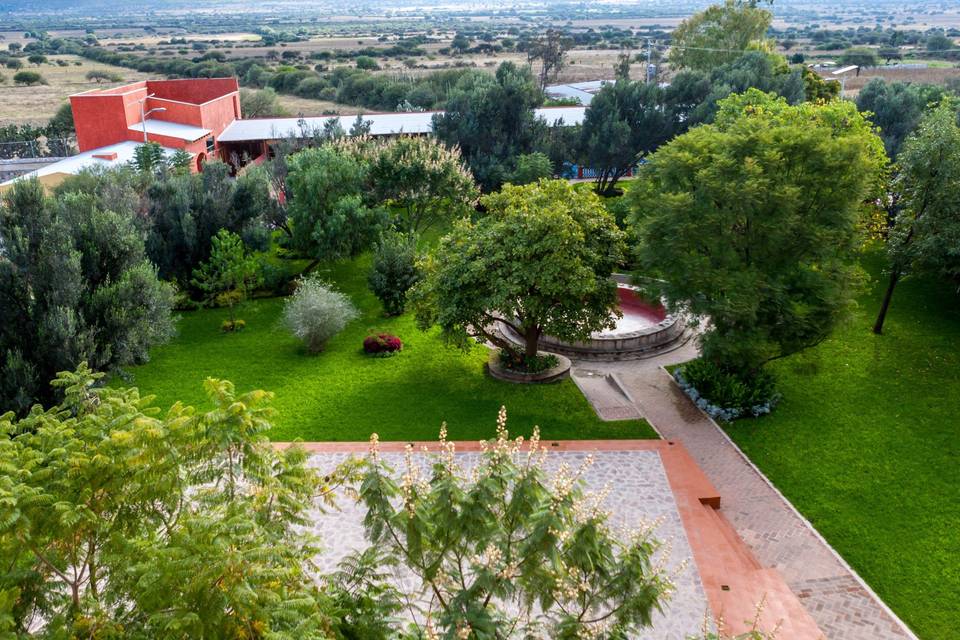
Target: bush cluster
<point>382,344</point>
<point>727,395</point>
<point>537,364</point>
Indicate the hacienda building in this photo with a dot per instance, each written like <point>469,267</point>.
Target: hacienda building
<point>202,116</point>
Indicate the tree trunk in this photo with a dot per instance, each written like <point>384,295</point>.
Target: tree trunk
<point>894,279</point>
<point>531,338</point>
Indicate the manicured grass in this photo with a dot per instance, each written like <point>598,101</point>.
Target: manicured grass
<point>342,394</point>
<point>866,444</point>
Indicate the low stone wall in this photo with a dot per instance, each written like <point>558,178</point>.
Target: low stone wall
<point>498,371</point>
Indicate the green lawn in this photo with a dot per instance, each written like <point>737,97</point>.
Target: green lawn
<point>342,394</point>
<point>865,444</point>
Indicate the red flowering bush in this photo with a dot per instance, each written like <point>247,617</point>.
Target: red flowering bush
<point>382,343</point>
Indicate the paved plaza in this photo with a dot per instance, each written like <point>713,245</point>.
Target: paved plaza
<point>639,494</point>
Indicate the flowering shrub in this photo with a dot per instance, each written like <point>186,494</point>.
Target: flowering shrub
<point>382,344</point>
<point>723,395</point>
<point>506,549</point>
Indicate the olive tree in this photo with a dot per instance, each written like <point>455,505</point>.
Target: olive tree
<point>752,222</point>
<point>540,262</point>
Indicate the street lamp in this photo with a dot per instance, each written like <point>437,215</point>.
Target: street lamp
<point>143,116</point>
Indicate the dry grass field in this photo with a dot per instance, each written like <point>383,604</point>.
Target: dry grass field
<point>931,76</point>
<point>36,104</point>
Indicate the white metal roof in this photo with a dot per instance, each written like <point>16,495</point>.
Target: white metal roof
<point>171,130</point>
<point>76,164</point>
<point>381,124</point>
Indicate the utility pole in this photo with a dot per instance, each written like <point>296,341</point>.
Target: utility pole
<point>647,73</point>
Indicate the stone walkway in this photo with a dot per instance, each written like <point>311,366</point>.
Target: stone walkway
<point>841,604</point>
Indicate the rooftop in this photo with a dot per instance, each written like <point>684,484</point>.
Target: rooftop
<point>114,155</point>
<point>381,124</point>
<point>171,129</point>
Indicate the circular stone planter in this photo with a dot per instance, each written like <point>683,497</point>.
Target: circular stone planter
<point>645,330</point>
<point>498,371</point>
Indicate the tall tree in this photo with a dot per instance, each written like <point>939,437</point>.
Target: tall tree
<point>540,261</point>
<point>329,214</point>
<point>752,223</point>
<point>75,287</point>
<point>718,35</point>
<point>427,181</point>
<point>926,230</point>
<point>550,50</point>
<point>625,121</point>
<point>896,108</point>
<point>862,57</point>
<point>492,120</point>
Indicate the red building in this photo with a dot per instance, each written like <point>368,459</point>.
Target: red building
<point>179,114</point>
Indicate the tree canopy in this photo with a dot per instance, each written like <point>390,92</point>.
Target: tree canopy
<point>925,235</point>
<point>426,180</point>
<point>751,222</point>
<point>625,121</point>
<point>492,120</point>
<point>329,214</point>
<point>75,287</point>
<point>540,261</point>
<point>120,520</point>
<point>896,108</point>
<point>718,35</point>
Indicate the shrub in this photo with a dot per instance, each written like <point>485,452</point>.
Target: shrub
<point>316,312</point>
<point>724,394</point>
<point>230,326</point>
<point>394,271</point>
<point>367,63</point>
<point>28,78</point>
<point>382,344</point>
<point>529,364</point>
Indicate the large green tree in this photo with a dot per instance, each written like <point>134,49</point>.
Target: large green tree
<point>118,520</point>
<point>329,212</point>
<point>185,212</point>
<point>718,35</point>
<point>626,120</point>
<point>540,262</point>
<point>751,224</point>
<point>75,287</point>
<point>925,236</point>
<point>491,119</point>
<point>896,108</point>
<point>426,181</point>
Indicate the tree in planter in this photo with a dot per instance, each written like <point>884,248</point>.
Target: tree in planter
<point>925,235</point>
<point>75,286</point>
<point>181,523</point>
<point>316,312</point>
<point>752,223</point>
<point>394,271</point>
<point>508,551</point>
<point>540,261</point>
<point>228,275</point>
<point>427,181</point>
